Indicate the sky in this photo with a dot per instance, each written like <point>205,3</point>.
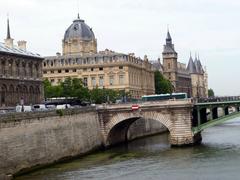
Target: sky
<point>207,27</point>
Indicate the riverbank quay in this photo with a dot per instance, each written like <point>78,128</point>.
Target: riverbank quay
<point>34,140</point>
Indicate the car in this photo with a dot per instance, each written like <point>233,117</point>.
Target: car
<point>2,111</point>
<point>39,107</point>
<point>63,106</point>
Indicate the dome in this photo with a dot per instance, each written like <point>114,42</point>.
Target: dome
<point>79,29</point>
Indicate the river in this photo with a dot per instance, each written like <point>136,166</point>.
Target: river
<point>217,158</point>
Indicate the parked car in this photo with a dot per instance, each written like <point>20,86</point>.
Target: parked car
<point>63,106</point>
<point>39,107</point>
<point>2,111</point>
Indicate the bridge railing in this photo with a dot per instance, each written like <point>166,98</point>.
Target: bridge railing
<point>217,99</point>
<point>146,103</point>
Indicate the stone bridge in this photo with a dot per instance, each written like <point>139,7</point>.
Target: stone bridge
<point>175,115</point>
<point>34,139</point>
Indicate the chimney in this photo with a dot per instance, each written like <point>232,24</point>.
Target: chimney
<point>9,43</point>
<point>146,58</point>
<point>22,45</point>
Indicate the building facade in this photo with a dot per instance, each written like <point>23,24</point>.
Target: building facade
<point>191,79</point>
<point>20,74</point>
<point>104,69</point>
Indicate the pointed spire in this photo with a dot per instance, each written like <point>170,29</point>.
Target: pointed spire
<point>196,56</point>
<point>78,16</point>
<point>191,66</point>
<point>168,36</point>
<point>8,30</point>
<point>169,47</point>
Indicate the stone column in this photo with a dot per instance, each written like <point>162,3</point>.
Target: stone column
<point>27,69</point>
<point>34,71</point>
<point>6,73</point>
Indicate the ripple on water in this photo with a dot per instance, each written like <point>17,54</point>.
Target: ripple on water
<point>217,158</point>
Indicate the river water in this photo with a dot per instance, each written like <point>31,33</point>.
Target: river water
<point>217,158</point>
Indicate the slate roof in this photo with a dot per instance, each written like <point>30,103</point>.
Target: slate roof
<point>198,65</point>
<point>169,47</point>
<point>79,29</point>
<point>191,66</point>
<point>16,50</point>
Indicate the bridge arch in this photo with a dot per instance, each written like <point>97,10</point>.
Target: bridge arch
<point>117,129</point>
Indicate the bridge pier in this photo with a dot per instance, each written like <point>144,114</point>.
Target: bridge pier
<point>203,115</point>
<point>226,111</point>
<point>237,108</point>
<point>177,141</point>
<point>195,118</point>
<point>214,112</point>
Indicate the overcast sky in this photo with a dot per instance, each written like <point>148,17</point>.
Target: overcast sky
<point>208,27</point>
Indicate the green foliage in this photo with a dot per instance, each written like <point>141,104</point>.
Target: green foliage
<point>74,88</point>
<point>59,112</point>
<point>211,93</point>
<point>162,85</point>
<point>51,91</point>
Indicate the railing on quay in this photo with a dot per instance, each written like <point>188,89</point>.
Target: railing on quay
<point>217,99</point>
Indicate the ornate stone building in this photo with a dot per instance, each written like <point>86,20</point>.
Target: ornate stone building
<point>191,79</point>
<point>20,74</point>
<point>79,39</point>
<point>104,69</point>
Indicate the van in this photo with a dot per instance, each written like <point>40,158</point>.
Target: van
<point>20,108</point>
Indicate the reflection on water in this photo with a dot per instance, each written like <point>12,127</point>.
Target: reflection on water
<point>218,157</point>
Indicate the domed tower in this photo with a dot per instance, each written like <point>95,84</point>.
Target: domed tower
<point>79,39</point>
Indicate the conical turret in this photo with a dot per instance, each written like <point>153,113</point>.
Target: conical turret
<point>191,66</point>
<point>169,47</point>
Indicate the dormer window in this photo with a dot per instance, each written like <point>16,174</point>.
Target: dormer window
<point>76,27</point>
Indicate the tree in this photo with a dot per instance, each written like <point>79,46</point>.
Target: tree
<point>211,93</point>
<point>74,88</point>
<point>67,88</point>
<point>51,91</point>
<point>97,95</point>
<point>162,85</point>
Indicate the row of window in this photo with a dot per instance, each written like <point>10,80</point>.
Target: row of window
<point>94,81</point>
<point>94,60</point>
<point>75,70</point>
<point>17,70</point>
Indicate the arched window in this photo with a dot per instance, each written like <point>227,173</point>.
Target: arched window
<point>17,69</point>
<point>11,93</point>
<point>3,68</point>
<point>37,90</point>
<point>25,90</point>
<point>10,67</point>
<point>24,69</point>
<point>36,70</point>
<point>3,94</point>
<point>30,69</point>
<point>31,94</point>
